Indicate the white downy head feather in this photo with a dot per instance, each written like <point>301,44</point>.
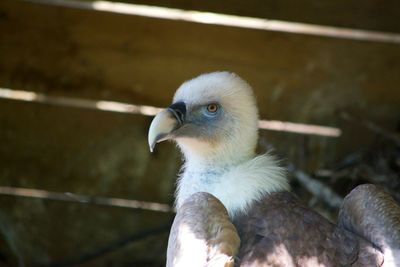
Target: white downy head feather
<point>227,167</point>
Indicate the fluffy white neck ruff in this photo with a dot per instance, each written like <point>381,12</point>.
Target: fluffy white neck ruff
<point>236,183</point>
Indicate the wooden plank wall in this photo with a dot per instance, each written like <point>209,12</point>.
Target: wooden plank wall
<point>370,14</point>
<point>87,54</point>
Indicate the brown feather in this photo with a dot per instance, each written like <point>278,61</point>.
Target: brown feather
<point>202,234</point>
<point>278,231</point>
<point>373,214</point>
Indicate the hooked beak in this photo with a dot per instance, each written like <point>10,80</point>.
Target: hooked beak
<point>165,122</point>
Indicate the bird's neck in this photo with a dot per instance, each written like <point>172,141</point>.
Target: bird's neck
<point>203,155</point>
<point>236,177</point>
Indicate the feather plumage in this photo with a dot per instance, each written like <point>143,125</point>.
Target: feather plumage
<point>274,228</point>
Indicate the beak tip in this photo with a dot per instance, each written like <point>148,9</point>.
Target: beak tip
<point>152,144</point>
<point>151,148</point>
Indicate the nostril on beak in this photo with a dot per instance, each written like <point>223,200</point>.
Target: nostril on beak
<point>179,111</point>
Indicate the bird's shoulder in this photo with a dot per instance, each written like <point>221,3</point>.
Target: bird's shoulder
<point>279,231</point>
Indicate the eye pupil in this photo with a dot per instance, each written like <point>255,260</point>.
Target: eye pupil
<point>212,108</point>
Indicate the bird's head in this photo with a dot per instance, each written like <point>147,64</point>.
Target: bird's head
<point>213,117</point>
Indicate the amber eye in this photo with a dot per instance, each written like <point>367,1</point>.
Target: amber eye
<point>212,108</point>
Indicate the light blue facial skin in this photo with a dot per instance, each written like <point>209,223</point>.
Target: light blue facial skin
<point>204,125</point>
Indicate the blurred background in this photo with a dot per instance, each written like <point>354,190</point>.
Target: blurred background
<point>81,80</point>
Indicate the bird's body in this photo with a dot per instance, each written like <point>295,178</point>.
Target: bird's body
<point>214,121</point>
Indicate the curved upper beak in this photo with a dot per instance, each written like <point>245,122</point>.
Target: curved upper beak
<point>165,122</point>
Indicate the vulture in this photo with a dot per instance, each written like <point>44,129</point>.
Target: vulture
<point>234,208</point>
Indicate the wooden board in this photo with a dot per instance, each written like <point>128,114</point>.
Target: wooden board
<point>142,60</point>
<point>82,151</point>
<point>370,14</point>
